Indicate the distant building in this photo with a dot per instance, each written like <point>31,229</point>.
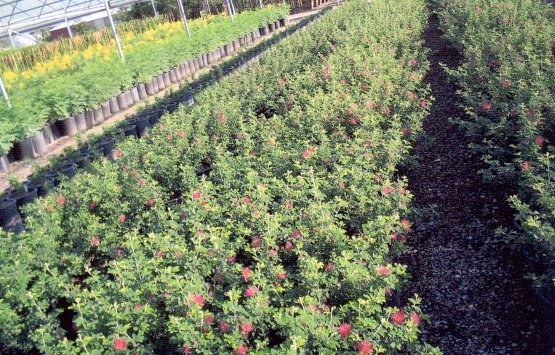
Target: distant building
<point>96,20</point>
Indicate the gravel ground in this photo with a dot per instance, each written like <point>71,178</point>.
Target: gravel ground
<point>471,283</point>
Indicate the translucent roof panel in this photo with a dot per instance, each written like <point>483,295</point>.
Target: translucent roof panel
<point>26,13</point>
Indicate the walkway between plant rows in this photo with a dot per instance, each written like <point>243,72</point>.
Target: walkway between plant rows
<point>24,169</point>
<point>471,283</point>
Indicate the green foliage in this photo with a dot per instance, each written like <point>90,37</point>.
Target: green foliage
<point>283,246</point>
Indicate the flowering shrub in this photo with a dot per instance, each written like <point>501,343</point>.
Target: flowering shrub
<point>281,245</point>
<point>74,83</point>
<point>507,78</point>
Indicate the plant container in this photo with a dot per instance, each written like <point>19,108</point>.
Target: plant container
<point>135,95</point>
<point>114,106</point>
<point>10,220</point>
<point>69,126</point>
<point>141,88</point>
<point>89,118</point>
<point>4,164</point>
<point>106,110</point>
<point>122,101</point>
<point>80,122</point>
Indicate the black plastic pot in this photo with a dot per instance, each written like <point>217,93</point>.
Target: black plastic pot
<point>173,77</point>
<point>166,78</point>
<point>130,130</point>
<point>42,186</point>
<point>106,146</point>
<point>98,115</point>
<point>271,27</point>
<point>47,134</point>
<point>189,98</point>
<point>82,161</point>
<point>89,119</point>
<point>69,170</point>
<point>263,30</point>
<point>10,219</point>
<point>80,122</point>
<point>151,87</point>
<point>161,84</point>
<point>23,198</point>
<point>129,97</point>
<point>135,95</point>
<point>39,143</point>
<point>142,125</point>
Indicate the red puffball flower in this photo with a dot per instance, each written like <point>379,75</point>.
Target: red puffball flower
<point>398,318</point>
<point>288,245</point>
<point>246,273</point>
<point>247,200</point>
<point>208,319</point>
<point>365,347</point>
<point>539,140</point>
<point>486,106</point>
<point>120,344</point>
<point>394,236</point>
<point>282,275</point>
<point>289,204</point>
<point>246,328</point>
<point>272,252</point>
<point>525,166</point>
<point>223,326</point>
<point>344,329</point>
<point>282,82</point>
<point>296,234</point>
<point>117,153</point>
<point>231,258</point>
<point>61,200</point>
<point>407,131</point>
<point>121,219</point>
<point>197,299</point>
<point>141,181</point>
<point>307,154</point>
<point>386,190</point>
<point>383,270</point>
<point>251,291</point>
<point>180,134</point>
<point>150,202</point>
<point>95,241</point>
<point>256,242</point>
<point>186,350</point>
<point>242,350</point>
<point>328,267</point>
<point>423,103</point>
<point>406,223</point>
<point>92,205</point>
<point>415,318</point>
<point>160,254</point>
<point>196,195</point>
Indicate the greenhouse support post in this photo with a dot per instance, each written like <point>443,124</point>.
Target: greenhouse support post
<point>5,93</point>
<point>69,32</point>
<point>261,5</point>
<point>115,33</point>
<point>154,8</point>
<point>230,10</point>
<point>232,7</point>
<point>182,11</point>
<point>11,38</point>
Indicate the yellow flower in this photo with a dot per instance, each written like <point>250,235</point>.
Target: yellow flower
<point>10,76</point>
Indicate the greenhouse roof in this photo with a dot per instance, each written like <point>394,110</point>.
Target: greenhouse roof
<point>22,15</point>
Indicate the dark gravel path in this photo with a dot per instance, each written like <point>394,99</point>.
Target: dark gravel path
<point>471,283</point>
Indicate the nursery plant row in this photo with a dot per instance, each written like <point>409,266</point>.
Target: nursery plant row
<point>507,77</point>
<point>64,167</point>
<point>91,84</point>
<point>259,220</point>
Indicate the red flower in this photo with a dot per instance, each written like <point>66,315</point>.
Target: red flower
<point>365,347</point>
<point>160,254</point>
<point>61,200</point>
<point>328,267</point>
<point>398,318</point>
<point>251,291</point>
<point>197,299</point>
<point>224,327</point>
<point>413,62</point>
<point>247,200</point>
<point>246,328</point>
<point>282,275</point>
<point>307,154</point>
<point>92,205</point>
<point>539,140</point>
<point>120,344</point>
<point>423,103</point>
<point>231,258</point>
<point>272,252</point>
<point>242,350</point>
<point>256,242</point>
<point>486,106</point>
<point>525,166</point>
<point>121,219</point>
<point>407,131</point>
<point>150,202</point>
<point>288,245</point>
<point>415,318</point>
<point>95,241</point>
<point>282,82</point>
<point>186,350</point>
<point>386,190</point>
<point>247,273</point>
<point>180,134</point>
<point>410,94</point>
<point>117,153</point>
<point>406,223</point>
<point>208,319</point>
<point>296,234</point>
<point>289,204</point>
<point>383,270</point>
<point>141,181</point>
<point>344,329</point>
<point>196,195</point>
